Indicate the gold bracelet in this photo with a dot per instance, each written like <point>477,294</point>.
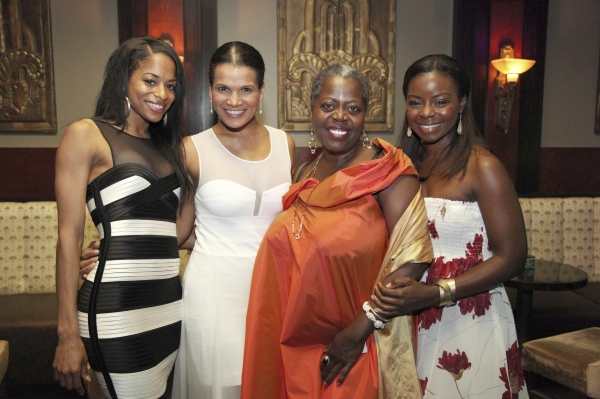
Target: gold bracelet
<point>448,297</point>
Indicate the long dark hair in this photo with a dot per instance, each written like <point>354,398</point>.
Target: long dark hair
<point>237,53</point>
<point>111,105</point>
<point>456,155</point>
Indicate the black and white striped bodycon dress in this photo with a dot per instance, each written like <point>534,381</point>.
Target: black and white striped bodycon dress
<point>129,307</point>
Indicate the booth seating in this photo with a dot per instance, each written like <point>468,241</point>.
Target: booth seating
<point>566,230</point>
<point>571,359</point>
<point>28,312</point>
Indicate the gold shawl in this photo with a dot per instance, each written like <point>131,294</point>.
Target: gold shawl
<point>409,242</point>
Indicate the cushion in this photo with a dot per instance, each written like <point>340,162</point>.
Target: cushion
<point>28,322</point>
<point>3,358</point>
<point>571,359</point>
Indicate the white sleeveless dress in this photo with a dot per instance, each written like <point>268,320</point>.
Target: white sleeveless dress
<point>236,201</point>
<point>468,350</point>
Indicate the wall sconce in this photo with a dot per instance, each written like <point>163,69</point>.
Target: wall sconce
<point>509,69</point>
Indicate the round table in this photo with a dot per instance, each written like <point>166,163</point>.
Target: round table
<point>546,276</point>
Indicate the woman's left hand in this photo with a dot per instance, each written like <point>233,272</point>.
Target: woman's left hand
<point>344,350</point>
<point>402,296</point>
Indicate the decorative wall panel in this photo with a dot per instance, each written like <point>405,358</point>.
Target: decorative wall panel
<point>313,34</point>
<point>27,103</point>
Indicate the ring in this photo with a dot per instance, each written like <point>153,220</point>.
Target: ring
<point>325,360</point>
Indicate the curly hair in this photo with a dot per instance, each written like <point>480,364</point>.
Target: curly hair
<point>345,71</point>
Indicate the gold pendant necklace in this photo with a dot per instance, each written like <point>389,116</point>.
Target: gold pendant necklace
<point>312,172</point>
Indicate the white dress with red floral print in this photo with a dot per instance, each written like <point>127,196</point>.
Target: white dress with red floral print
<point>468,350</point>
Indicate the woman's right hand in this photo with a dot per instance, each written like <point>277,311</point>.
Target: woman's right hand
<point>89,259</point>
<point>402,296</point>
<point>70,364</point>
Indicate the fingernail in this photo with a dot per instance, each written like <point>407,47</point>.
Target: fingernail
<point>96,252</point>
<point>388,285</point>
<point>373,297</point>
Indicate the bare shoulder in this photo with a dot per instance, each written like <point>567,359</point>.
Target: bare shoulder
<point>290,141</point>
<point>482,163</point>
<point>487,174</point>
<point>83,127</point>
<point>81,136</point>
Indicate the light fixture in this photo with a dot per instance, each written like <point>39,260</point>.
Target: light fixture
<point>509,69</point>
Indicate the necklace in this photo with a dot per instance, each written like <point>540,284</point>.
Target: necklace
<point>305,204</point>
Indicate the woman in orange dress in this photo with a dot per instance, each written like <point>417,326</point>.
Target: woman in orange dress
<point>309,320</point>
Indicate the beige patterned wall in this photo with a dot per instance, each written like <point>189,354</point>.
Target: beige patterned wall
<point>565,230</point>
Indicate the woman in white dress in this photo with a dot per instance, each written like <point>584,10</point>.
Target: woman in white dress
<point>241,169</point>
<point>467,344</point>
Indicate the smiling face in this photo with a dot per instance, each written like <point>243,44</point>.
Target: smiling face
<point>235,95</point>
<point>338,114</point>
<point>151,88</point>
<point>433,106</point>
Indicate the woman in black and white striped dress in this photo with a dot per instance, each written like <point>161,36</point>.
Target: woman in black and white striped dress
<point>127,165</point>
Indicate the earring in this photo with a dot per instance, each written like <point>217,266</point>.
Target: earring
<point>165,119</point>
<point>459,128</point>
<point>365,141</point>
<point>211,109</point>
<point>408,132</point>
<point>260,107</point>
<point>312,143</point>
<point>128,107</point>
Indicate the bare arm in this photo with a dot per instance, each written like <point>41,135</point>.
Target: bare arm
<point>347,345</point>
<point>76,157</point>
<point>495,194</point>
<point>489,184</point>
<point>292,149</point>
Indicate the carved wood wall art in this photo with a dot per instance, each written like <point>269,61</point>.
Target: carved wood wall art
<point>27,103</point>
<point>313,34</point>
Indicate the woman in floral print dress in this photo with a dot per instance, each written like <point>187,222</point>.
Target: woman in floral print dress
<point>467,348</point>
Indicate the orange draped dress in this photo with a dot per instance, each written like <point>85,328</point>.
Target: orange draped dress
<point>306,291</point>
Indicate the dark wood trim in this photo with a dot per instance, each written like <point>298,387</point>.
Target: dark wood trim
<point>133,18</point>
<point>470,46</point>
<point>200,30</point>
<point>532,97</point>
<point>569,172</point>
<point>27,174</point>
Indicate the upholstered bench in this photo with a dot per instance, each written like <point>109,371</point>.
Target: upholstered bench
<point>28,312</point>
<point>3,367</point>
<point>571,359</point>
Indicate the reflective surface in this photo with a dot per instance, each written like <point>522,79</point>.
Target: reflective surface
<point>550,276</point>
